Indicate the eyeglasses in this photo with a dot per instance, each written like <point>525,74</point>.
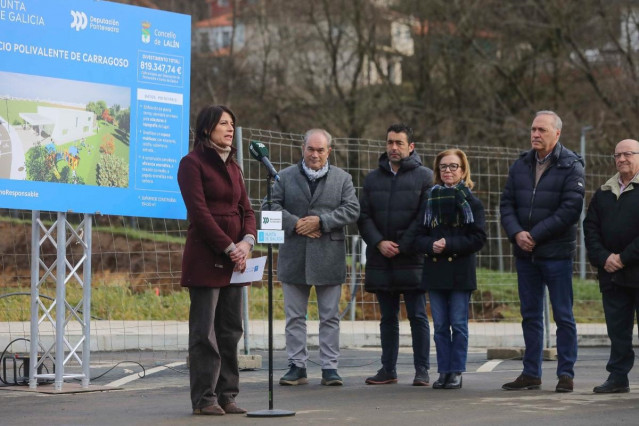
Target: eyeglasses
<point>452,167</point>
<point>627,154</point>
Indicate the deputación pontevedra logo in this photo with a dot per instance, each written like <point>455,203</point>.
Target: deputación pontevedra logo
<point>79,20</point>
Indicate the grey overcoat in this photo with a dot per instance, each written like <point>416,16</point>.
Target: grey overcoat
<point>314,261</point>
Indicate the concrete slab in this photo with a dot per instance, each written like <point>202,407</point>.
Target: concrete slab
<point>250,362</point>
<point>504,353</point>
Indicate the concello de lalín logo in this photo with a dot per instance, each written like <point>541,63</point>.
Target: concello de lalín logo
<point>80,21</point>
<point>146,34</point>
<point>16,11</point>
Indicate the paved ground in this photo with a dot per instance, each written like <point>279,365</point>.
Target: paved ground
<point>161,398</point>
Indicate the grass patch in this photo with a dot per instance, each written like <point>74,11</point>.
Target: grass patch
<point>137,234</point>
<point>112,299</point>
<point>501,289</point>
<point>107,303</point>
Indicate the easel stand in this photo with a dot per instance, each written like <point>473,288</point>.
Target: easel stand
<point>270,412</point>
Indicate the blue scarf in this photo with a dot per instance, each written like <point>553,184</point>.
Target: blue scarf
<point>448,206</point>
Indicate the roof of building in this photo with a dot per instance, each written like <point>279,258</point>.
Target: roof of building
<point>225,20</point>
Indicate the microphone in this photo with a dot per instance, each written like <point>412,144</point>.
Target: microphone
<point>259,151</point>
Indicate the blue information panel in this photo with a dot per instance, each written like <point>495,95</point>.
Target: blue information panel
<point>94,107</point>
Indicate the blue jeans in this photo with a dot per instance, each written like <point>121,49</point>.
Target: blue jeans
<point>450,321</point>
<point>415,303</point>
<point>532,276</point>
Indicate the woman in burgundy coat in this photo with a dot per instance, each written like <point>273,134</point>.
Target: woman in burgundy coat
<point>221,235</point>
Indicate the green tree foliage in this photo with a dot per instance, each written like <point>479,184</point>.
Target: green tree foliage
<point>39,168</point>
<point>124,119</point>
<point>97,107</point>
<point>112,171</point>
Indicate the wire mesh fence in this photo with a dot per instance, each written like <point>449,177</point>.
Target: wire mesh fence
<point>136,262</point>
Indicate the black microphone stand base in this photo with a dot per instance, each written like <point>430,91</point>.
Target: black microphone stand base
<point>270,413</point>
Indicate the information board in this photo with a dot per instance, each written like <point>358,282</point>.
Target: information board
<point>94,107</point>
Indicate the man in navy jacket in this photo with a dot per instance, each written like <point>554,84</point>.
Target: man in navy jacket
<point>540,207</point>
<point>612,240</point>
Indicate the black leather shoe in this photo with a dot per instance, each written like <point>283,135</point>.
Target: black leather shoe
<point>421,377</point>
<point>610,386</point>
<point>454,381</point>
<point>441,382</point>
<point>383,377</point>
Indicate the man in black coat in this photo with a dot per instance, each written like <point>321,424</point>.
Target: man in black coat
<point>612,240</point>
<point>390,202</point>
<point>540,207</point>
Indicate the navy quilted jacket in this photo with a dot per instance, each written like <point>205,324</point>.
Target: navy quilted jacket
<point>550,210</point>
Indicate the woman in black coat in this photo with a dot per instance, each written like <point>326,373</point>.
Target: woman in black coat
<point>452,232</point>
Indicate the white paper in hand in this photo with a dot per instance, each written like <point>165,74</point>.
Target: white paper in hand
<point>254,271</point>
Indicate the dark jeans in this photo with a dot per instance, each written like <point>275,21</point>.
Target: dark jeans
<point>621,307</point>
<point>215,328</point>
<point>415,303</point>
<point>450,323</point>
<point>532,277</point>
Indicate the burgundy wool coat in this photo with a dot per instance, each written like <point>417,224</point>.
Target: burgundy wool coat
<point>219,213</point>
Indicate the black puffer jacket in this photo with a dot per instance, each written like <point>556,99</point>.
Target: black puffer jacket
<point>550,210</point>
<point>611,226</point>
<point>389,210</point>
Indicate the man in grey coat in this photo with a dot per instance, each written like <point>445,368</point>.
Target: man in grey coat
<point>317,201</point>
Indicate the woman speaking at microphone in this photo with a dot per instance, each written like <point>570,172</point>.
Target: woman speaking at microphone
<point>220,237</point>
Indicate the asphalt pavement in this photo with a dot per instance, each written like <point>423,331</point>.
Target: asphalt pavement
<point>161,396</point>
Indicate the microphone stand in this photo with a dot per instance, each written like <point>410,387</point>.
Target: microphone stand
<point>270,412</point>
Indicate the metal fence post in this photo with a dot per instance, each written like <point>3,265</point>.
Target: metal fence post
<point>245,295</point>
<point>354,244</point>
<point>500,246</point>
<point>582,216</point>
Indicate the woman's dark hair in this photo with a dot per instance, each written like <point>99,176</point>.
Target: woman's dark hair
<point>207,119</point>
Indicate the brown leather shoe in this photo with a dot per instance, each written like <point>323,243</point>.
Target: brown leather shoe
<point>565,384</point>
<point>232,408</point>
<point>211,410</point>
<point>523,382</point>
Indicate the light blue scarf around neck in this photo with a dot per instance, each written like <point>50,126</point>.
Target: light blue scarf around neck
<point>313,175</point>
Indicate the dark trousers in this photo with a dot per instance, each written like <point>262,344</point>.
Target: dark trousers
<point>215,328</point>
<point>415,303</point>
<point>621,307</point>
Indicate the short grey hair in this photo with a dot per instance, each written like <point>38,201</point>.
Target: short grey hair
<point>327,135</point>
<point>558,122</point>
